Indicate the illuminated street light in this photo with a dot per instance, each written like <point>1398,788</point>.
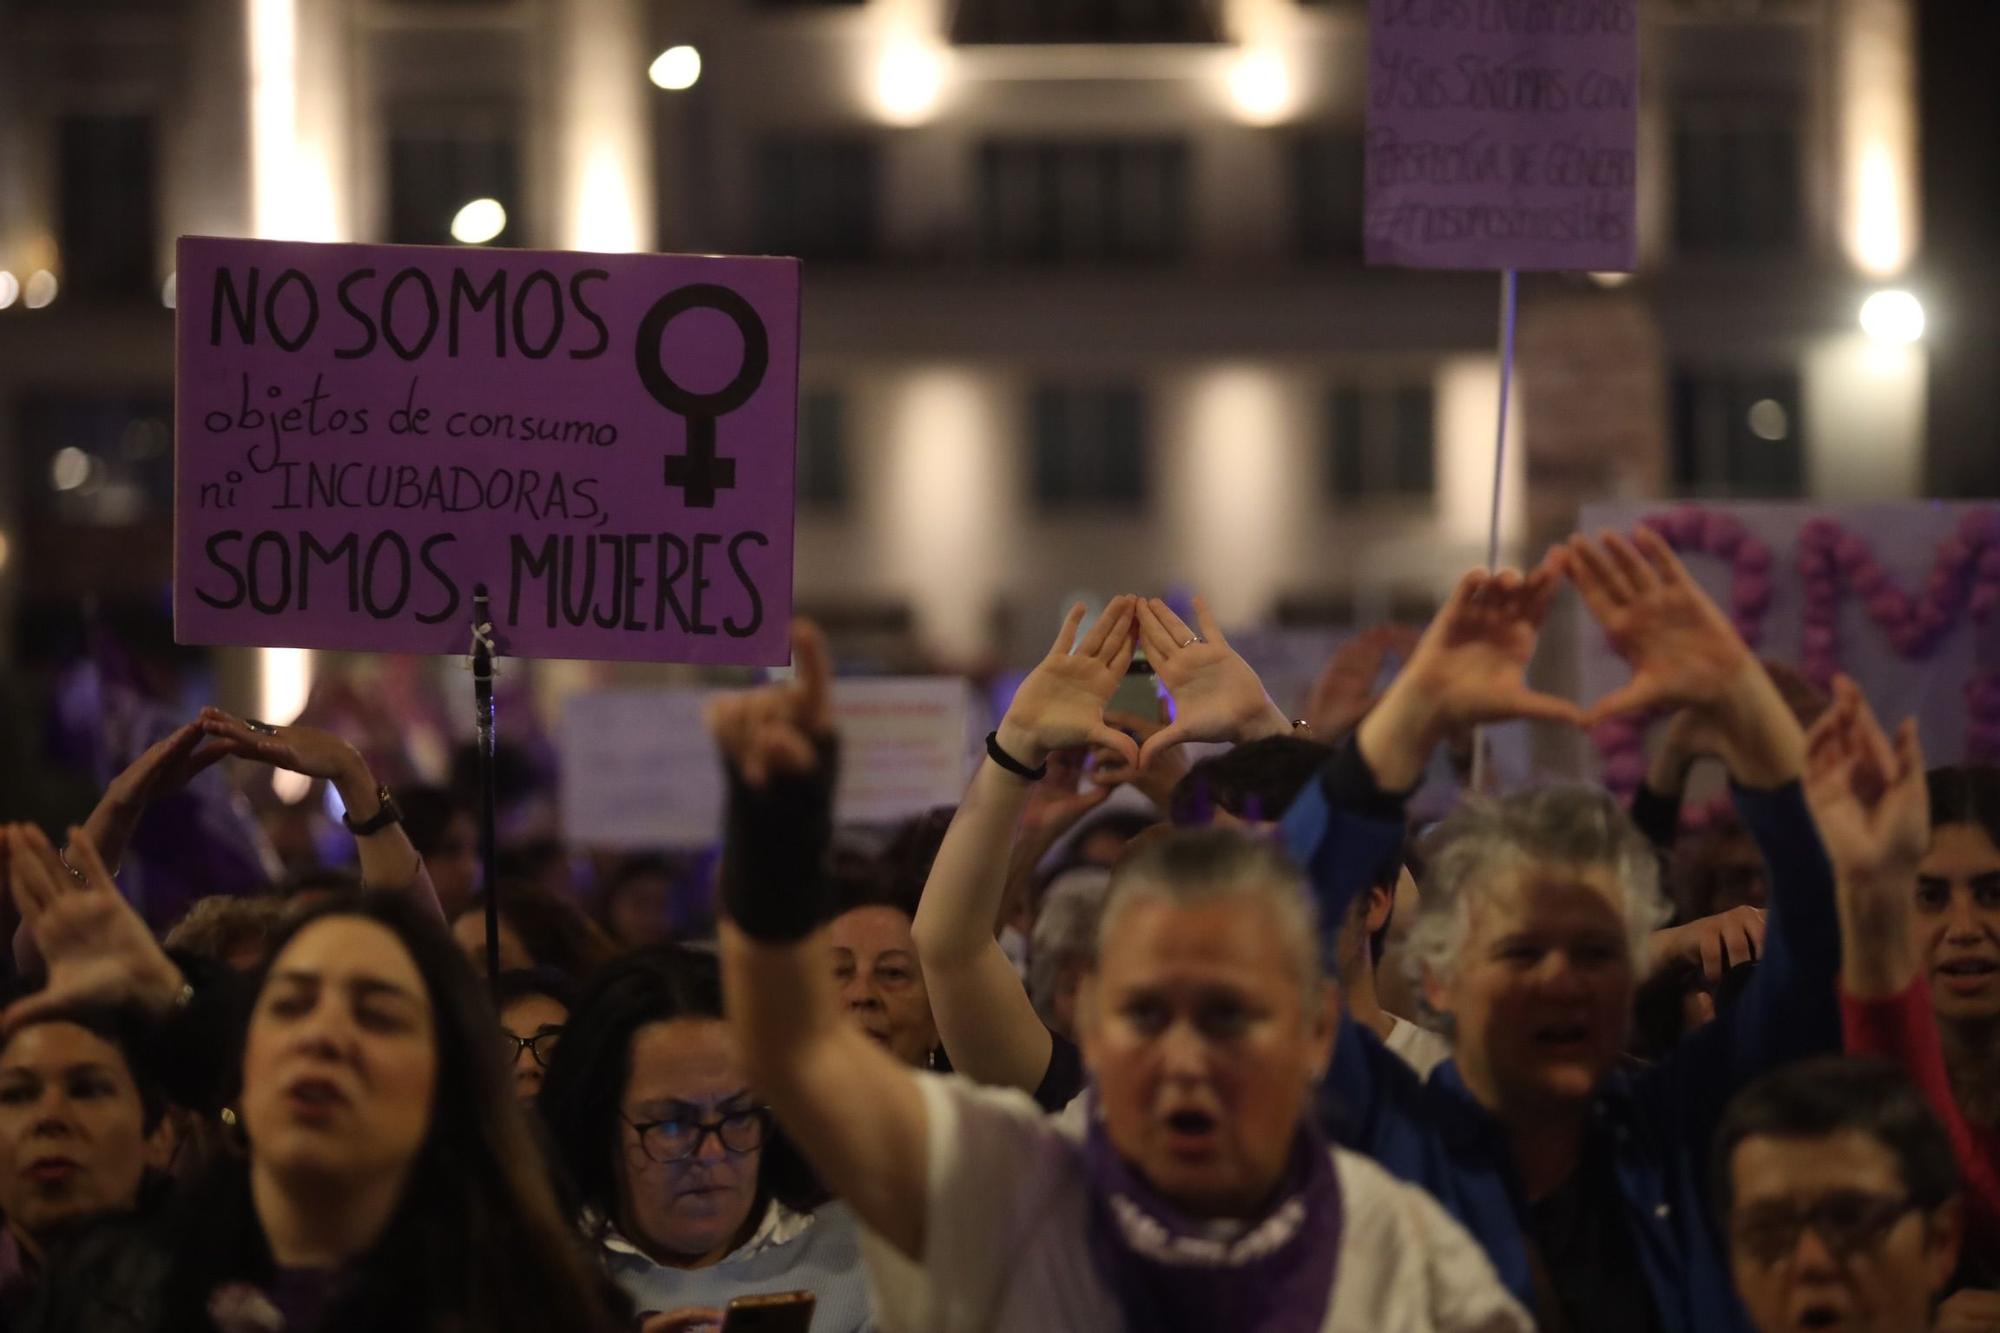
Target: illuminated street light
<point>478,222</point>
<point>1893,316</point>
<point>677,69</point>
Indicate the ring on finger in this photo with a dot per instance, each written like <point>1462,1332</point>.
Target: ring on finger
<point>261,728</point>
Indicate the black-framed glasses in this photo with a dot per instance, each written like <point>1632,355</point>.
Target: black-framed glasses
<point>541,1045</point>
<point>1846,1221</point>
<point>676,1139</point>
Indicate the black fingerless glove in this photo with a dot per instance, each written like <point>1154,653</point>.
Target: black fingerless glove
<point>774,882</point>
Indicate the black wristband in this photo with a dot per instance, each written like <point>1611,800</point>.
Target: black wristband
<point>1350,785</point>
<point>774,884</point>
<point>1010,763</point>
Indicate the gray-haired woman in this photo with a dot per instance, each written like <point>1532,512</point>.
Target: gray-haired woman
<point>1583,1182</point>
<point>1197,1195</point>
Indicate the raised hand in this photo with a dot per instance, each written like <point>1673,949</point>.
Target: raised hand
<point>1867,794</point>
<point>1060,706</point>
<point>1469,668</point>
<point>164,768</point>
<point>305,750</point>
<point>97,949</point>
<point>1345,690</point>
<point>1713,943</point>
<point>1162,773</point>
<point>776,730</point>
<point>1683,651</point>
<point>1217,697</point>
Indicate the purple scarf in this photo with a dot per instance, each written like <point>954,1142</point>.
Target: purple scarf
<point>1167,1275</point>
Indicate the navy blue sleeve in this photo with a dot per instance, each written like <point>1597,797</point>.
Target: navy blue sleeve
<point>1791,1008</point>
<point>1340,831</point>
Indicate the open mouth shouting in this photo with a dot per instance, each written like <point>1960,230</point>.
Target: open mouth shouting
<point>1192,1132</point>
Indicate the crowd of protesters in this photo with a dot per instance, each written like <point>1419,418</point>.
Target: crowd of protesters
<point>1244,1049</point>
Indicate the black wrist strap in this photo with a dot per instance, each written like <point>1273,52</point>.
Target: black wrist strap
<point>773,882</point>
<point>1010,763</point>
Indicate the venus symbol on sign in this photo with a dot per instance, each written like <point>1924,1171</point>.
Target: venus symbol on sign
<point>700,473</point>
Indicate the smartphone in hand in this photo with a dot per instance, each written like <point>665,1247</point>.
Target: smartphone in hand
<point>777,1312</point>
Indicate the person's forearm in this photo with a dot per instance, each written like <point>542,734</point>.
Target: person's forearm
<point>1878,955</point>
<point>1397,737</point>
<point>112,823</point>
<point>851,1107</point>
<point>1766,746</point>
<point>968,881</point>
<point>989,1029</point>
<point>389,860</point>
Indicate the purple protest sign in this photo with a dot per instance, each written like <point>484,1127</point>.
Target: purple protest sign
<point>366,433</point>
<point>1502,133</point>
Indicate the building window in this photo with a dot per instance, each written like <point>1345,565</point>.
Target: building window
<point>1083,203</point>
<point>1737,434</point>
<point>1084,21</point>
<point>1089,446</point>
<point>1738,174</point>
<point>816,198</point>
<point>822,452</point>
<point>1327,176</point>
<point>105,206</point>
<point>1382,442</point>
<point>442,158</point>
<point>97,460</point>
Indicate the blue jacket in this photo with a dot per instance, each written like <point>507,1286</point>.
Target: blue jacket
<point>1660,1121</point>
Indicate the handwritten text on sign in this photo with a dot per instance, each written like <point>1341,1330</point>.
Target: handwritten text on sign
<point>365,433</point>
<point>1502,133</point>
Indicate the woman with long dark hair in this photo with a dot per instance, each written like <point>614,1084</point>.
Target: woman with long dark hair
<point>670,1161</point>
<point>390,1181</point>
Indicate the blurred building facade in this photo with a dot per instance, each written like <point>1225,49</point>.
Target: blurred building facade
<point>1084,301</point>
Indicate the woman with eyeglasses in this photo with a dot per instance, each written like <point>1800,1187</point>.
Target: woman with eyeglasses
<point>670,1161</point>
<point>534,1005</point>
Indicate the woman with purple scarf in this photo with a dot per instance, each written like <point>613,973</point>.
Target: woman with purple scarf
<point>1196,1192</point>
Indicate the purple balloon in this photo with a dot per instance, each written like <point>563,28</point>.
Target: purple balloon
<point>1814,563</point>
<point>1818,640</point>
<point>1869,579</point>
<point>1909,641</point>
<point>1820,668</point>
<point>1721,534</point>
<point>1820,532</point>
<point>1985,598</point>
<point>1954,553</point>
<point>1851,552</point>
<point>1752,557</point>
<point>1982,696</point>
<point>1989,563</point>
<point>1889,607</point>
<point>1751,594</point>
<point>1980,528</point>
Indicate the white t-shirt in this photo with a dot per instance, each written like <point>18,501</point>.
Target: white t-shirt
<point>1007,1247</point>
<point>1421,1049</point>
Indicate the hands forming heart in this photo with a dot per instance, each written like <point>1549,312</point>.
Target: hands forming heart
<point>1471,665</point>
<point>1468,668</point>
